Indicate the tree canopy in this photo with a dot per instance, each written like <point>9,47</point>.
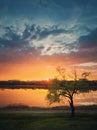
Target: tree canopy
<point>63,88</point>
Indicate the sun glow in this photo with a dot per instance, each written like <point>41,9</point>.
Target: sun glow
<point>27,71</point>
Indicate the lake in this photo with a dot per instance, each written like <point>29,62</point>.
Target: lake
<point>37,97</point>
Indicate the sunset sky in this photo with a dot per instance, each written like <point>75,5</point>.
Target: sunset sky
<point>36,36</point>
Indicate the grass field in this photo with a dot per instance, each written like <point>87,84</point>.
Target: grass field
<point>47,121</point>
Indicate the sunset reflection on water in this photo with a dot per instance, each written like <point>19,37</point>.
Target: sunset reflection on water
<point>37,97</point>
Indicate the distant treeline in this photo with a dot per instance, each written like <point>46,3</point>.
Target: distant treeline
<point>23,84</point>
<point>16,84</point>
<point>25,107</point>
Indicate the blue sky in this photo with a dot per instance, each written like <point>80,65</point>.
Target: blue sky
<point>43,30</point>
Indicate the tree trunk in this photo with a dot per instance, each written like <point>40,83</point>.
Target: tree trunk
<point>72,107</point>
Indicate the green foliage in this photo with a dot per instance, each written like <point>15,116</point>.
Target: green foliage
<point>59,89</point>
<point>63,88</point>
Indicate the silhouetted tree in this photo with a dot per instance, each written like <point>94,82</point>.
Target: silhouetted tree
<point>63,88</point>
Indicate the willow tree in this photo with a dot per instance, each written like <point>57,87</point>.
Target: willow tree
<point>60,89</point>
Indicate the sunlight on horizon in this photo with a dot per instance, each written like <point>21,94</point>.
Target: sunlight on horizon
<point>43,72</point>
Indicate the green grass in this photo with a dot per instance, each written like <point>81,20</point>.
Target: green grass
<point>27,121</point>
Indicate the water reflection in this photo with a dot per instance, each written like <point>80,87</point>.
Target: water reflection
<point>31,97</point>
<point>37,97</point>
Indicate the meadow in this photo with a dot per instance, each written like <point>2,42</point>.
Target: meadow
<point>23,120</point>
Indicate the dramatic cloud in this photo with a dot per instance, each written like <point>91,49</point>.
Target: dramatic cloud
<point>61,32</point>
<point>48,40</point>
